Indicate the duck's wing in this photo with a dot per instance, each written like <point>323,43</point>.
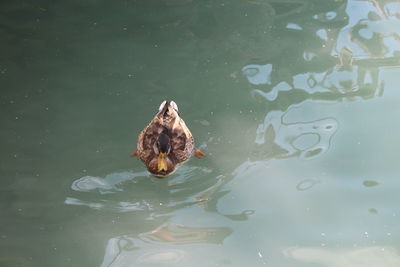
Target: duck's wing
<point>147,138</point>
<point>182,141</point>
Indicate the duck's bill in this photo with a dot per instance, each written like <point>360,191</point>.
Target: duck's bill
<point>162,162</point>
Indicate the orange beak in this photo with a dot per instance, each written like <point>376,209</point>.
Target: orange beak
<point>162,162</point>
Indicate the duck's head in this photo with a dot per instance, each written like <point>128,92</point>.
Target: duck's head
<point>162,164</point>
<point>168,109</point>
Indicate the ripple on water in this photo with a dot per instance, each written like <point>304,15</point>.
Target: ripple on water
<point>123,191</point>
<point>128,251</point>
<point>303,139</point>
<point>108,184</point>
<point>306,184</point>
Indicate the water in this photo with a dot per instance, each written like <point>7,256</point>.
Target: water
<point>294,102</point>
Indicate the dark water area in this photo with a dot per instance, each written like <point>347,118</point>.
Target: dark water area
<point>294,102</point>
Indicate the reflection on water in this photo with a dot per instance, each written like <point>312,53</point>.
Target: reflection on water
<point>306,184</point>
<point>244,215</point>
<point>353,74</point>
<point>179,234</point>
<point>344,64</point>
<point>156,248</point>
<point>284,91</point>
<point>292,137</point>
<point>115,191</point>
<point>372,30</point>
<point>106,185</point>
<point>110,205</point>
<point>119,252</point>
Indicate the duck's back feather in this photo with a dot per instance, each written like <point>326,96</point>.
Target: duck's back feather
<point>182,142</point>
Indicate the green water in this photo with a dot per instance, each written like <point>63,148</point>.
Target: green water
<point>295,103</point>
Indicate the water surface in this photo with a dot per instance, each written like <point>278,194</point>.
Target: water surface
<point>294,102</point>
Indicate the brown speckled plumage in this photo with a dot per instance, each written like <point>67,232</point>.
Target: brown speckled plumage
<point>167,121</point>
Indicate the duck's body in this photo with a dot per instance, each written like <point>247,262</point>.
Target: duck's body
<point>165,142</point>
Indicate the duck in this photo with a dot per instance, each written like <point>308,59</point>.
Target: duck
<point>166,142</point>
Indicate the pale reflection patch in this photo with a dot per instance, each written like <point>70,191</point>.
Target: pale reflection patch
<point>307,184</point>
<point>294,26</point>
<point>116,186</point>
<point>323,34</point>
<point>123,252</point>
<point>273,94</point>
<point>345,78</point>
<point>181,234</point>
<point>108,184</point>
<point>258,74</point>
<point>366,19</point>
<point>357,257</point>
<point>159,246</point>
<point>295,137</point>
<point>118,206</point>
